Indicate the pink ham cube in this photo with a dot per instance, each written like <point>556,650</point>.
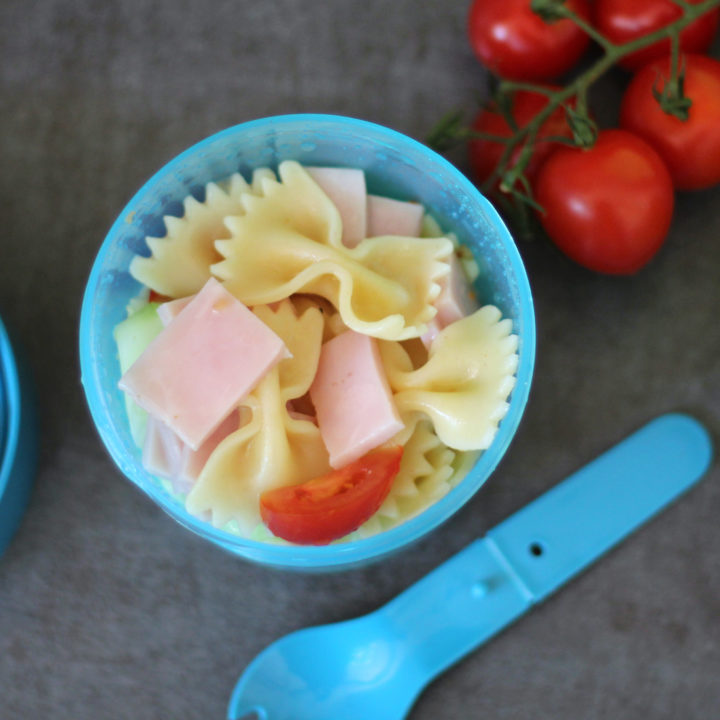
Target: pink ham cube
<point>298,414</point>
<point>456,300</point>
<point>167,456</point>
<point>393,217</point>
<point>346,189</point>
<point>193,461</point>
<point>433,330</point>
<point>294,415</point>
<point>202,364</point>
<point>352,398</point>
<point>162,450</point>
<point>170,310</point>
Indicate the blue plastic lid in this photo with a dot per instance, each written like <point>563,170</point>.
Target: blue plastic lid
<point>18,440</point>
<point>3,413</point>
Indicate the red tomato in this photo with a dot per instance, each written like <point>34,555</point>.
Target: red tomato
<point>485,155</point>
<point>609,207</point>
<point>515,43</point>
<point>156,297</point>
<point>690,148</point>
<point>332,505</point>
<point>625,20</point>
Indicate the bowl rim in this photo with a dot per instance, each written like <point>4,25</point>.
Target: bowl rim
<point>350,552</point>
<point>11,408</point>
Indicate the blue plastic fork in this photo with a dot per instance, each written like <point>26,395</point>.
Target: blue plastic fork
<point>374,667</point>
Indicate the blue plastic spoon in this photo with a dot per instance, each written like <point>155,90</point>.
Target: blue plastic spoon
<point>375,666</point>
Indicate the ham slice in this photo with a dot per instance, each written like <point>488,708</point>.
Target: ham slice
<point>456,299</point>
<point>352,398</point>
<point>454,302</point>
<point>294,415</point>
<point>168,311</point>
<point>162,450</point>
<point>433,330</point>
<point>203,364</point>
<point>393,217</point>
<point>193,461</point>
<point>166,455</point>
<point>346,189</point>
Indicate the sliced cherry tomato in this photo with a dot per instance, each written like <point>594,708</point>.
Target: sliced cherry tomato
<point>156,297</point>
<point>609,207</point>
<point>485,155</point>
<point>515,43</point>
<point>624,20</point>
<point>332,505</point>
<point>690,148</point>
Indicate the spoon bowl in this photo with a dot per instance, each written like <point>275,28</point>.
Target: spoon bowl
<point>333,679</point>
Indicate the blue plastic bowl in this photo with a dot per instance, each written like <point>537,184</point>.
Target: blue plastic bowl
<point>395,165</point>
<point>18,440</point>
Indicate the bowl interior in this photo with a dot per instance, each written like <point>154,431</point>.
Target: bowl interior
<point>395,166</point>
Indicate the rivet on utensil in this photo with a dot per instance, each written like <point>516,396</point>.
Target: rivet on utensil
<point>480,589</point>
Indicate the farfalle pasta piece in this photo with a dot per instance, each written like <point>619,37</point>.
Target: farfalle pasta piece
<point>429,470</point>
<point>301,331</point>
<point>334,324</point>
<point>374,286</point>
<point>273,449</point>
<point>430,228</point>
<point>464,385</point>
<point>180,261</point>
<point>421,448</point>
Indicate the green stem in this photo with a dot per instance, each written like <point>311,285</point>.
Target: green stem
<point>582,103</point>
<point>672,97</point>
<point>682,4</point>
<point>613,53</point>
<point>508,86</point>
<point>469,134</point>
<point>559,139</point>
<point>674,57</point>
<point>585,26</point>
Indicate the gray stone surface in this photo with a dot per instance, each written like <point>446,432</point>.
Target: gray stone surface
<point>108,609</point>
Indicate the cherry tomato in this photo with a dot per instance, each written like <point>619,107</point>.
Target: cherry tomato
<point>485,155</point>
<point>625,20</point>
<point>332,505</point>
<point>609,207</point>
<point>515,43</point>
<point>690,148</point>
<point>156,297</point>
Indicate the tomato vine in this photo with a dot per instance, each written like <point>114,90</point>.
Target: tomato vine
<point>508,184</point>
